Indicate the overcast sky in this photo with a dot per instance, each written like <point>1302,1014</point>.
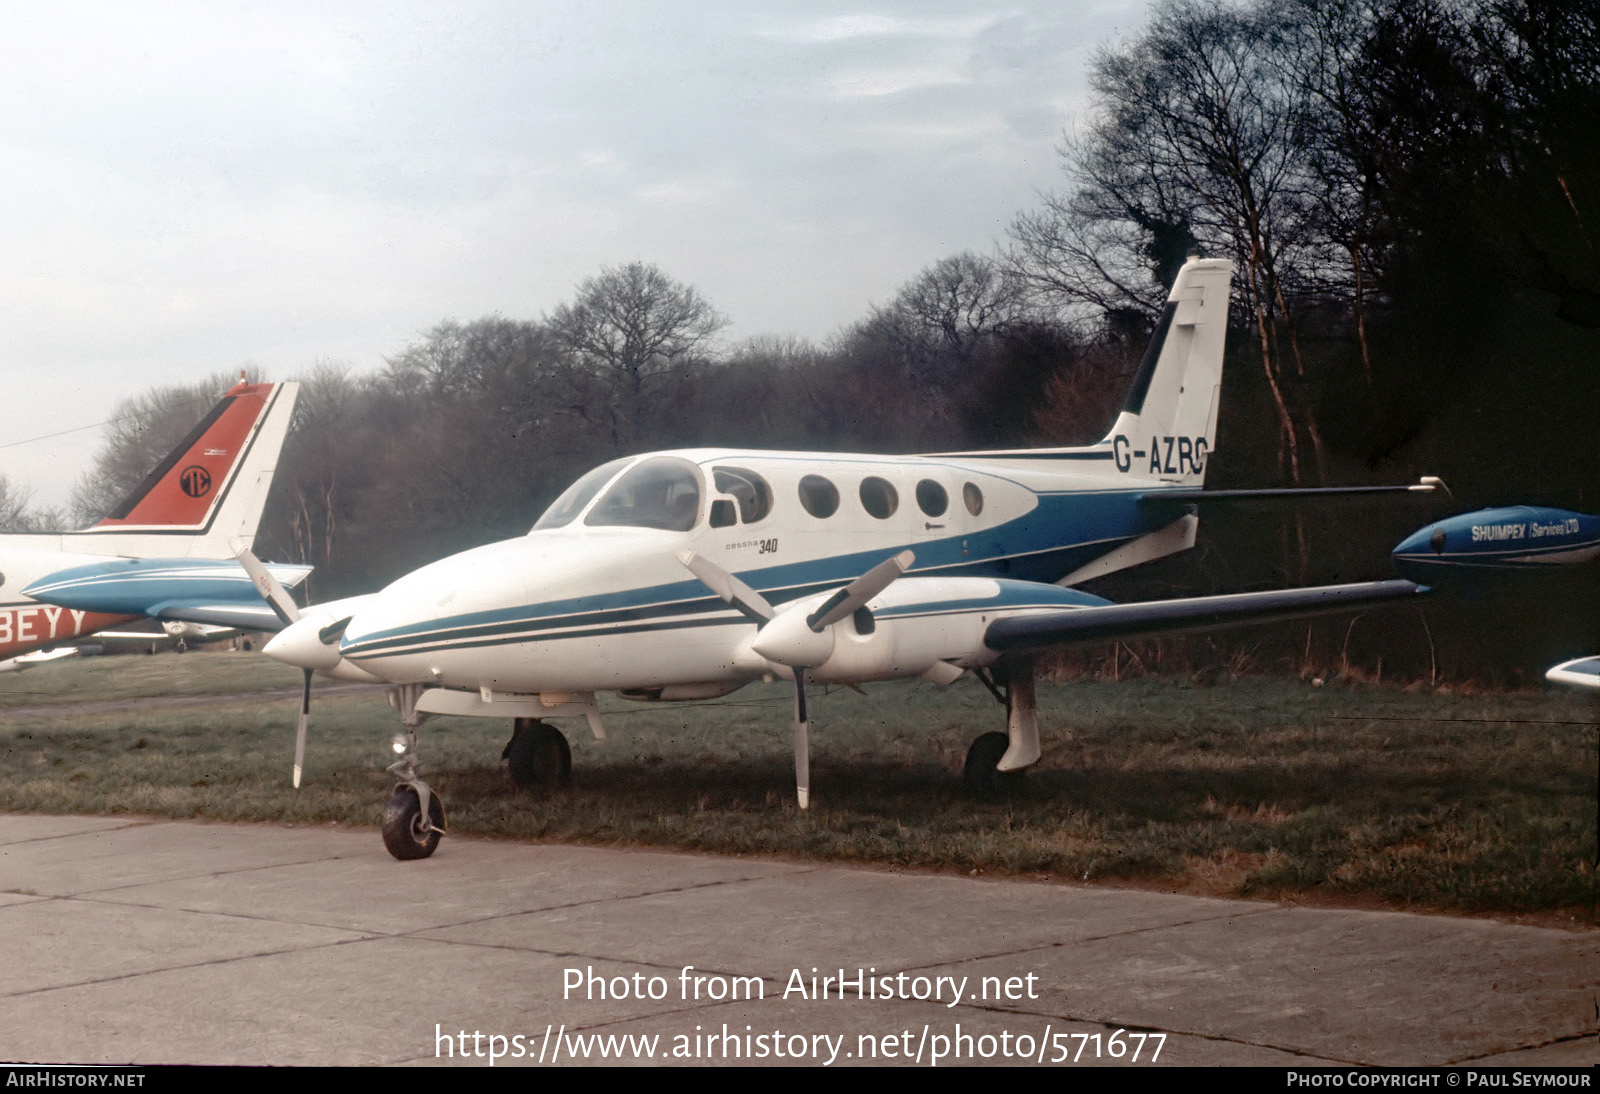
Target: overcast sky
<point>188,188</point>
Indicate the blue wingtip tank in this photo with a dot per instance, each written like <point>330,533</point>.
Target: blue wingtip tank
<point>1488,542</point>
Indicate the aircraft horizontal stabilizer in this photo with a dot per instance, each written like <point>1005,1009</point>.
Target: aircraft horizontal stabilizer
<point>1100,622</point>
<point>1425,485</point>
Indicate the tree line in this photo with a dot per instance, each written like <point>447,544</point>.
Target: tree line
<point>1409,190</point>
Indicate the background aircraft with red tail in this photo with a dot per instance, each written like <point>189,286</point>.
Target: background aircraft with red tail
<point>166,551</point>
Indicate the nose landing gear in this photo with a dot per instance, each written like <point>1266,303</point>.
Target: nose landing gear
<point>413,820</point>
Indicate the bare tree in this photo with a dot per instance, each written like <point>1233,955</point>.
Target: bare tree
<point>953,306</point>
<point>1545,56</point>
<point>628,327</point>
<point>16,515</point>
<point>1197,139</point>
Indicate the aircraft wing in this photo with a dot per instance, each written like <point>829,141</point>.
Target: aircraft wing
<point>245,617</point>
<point>1582,673</point>
<point>213,591</point>
<point>1097,623</point>
<point>127,640</point>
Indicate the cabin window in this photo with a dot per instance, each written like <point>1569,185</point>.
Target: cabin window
<point>658,493</point>
<point>819,496</point>
<point>878,497</point>
<point>973,497</point>
<point>579,494</point>
<point>749,489</point>
<point>722,514</point>
<point>931,498</point>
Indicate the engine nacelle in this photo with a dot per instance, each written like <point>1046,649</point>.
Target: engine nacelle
<point>915,624</point>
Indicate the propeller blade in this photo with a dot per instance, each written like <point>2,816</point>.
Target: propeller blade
<point>802,743</point>
<point>271,589</point>
<point>858,592</point>
<point>300,729</point>
<point>728,587</point>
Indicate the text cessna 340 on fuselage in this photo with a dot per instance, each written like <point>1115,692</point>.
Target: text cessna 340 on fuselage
<point>687,574</point>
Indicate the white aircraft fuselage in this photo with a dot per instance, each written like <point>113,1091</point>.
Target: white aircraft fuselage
<point>602,601</point>
<point>617,585</point>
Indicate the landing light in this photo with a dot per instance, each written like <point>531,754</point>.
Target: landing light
<point>399,744</point>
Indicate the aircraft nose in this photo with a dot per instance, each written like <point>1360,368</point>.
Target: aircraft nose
<point>1430,540</point>
<point>432,625</point>
<point>384,635</point>
<point>311,642</point>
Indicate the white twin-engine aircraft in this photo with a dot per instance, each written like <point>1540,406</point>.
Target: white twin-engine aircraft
<point>687,574</point>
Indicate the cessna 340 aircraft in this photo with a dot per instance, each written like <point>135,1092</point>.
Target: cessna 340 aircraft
<point>688,574</point>
<point>168,549</point>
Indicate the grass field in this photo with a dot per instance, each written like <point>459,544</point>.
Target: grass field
<point>1256,787</point>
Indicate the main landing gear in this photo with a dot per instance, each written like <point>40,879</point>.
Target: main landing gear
<point>997,762</point>
<point>539,757</point>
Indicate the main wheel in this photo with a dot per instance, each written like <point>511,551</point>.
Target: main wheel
<point>540,760</point>
<point>404,832</point>
<point>981,777</point>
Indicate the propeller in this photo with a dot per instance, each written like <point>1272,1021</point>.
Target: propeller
<point>300,728</point>
<point>725,585</point>
<point>284,607</point>
<point>797,640</point>
<point>854,596</point>
<point>271,590</point>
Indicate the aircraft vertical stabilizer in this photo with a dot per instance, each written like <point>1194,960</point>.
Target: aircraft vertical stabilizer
<point>1168,426</point>
<point>210,490</point>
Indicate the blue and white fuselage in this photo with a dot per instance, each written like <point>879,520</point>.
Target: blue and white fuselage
<point>593,604</point>
<point>599,595</point>
<point>1497,542</point>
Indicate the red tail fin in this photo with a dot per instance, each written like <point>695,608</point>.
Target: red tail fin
<point>186,488</point>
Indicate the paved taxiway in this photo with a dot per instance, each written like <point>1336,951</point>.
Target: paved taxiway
<point>135,940</point>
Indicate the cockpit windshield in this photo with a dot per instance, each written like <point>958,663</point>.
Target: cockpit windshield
<point>659,493</point>
<point>579,494</point>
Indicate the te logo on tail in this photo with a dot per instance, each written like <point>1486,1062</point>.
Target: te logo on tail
<point>195,481</point>
<point>1167,455</point>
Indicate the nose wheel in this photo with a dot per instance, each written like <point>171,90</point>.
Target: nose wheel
<point>407,832</point>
